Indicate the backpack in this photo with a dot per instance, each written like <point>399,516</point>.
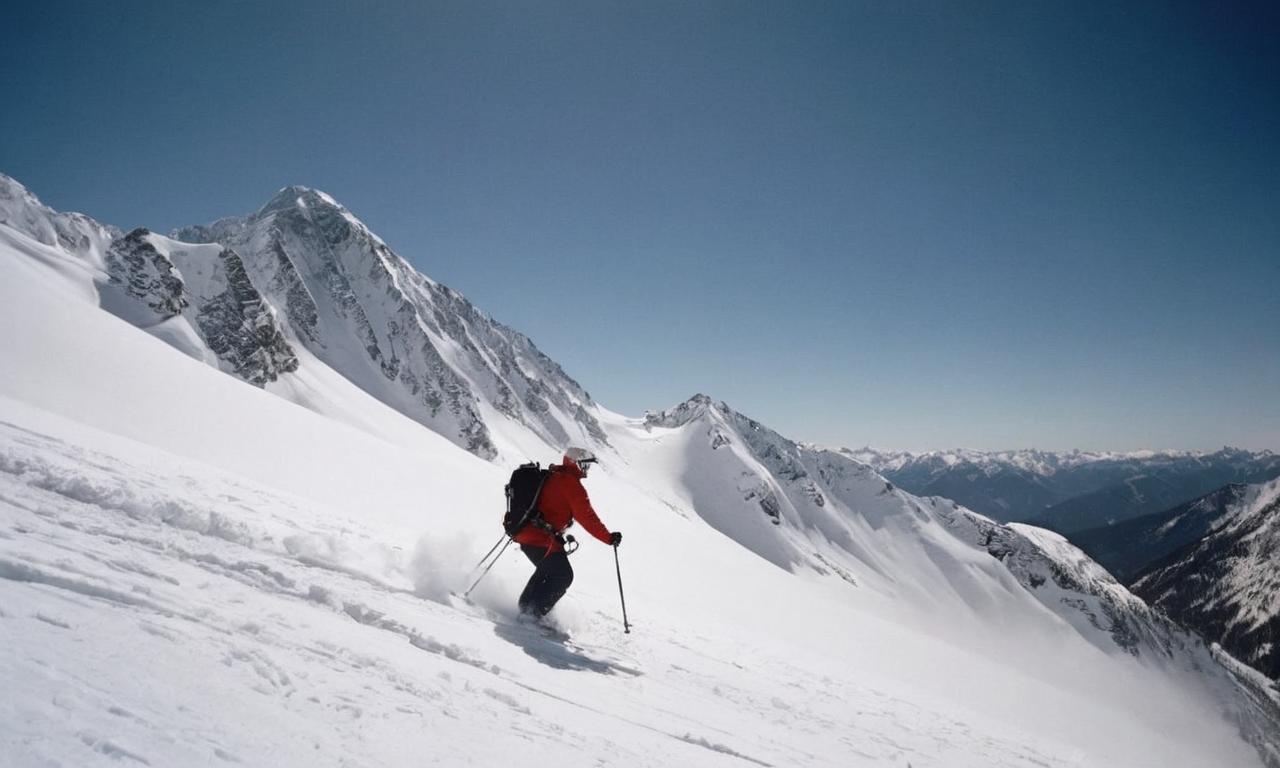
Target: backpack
<point>522,497</point>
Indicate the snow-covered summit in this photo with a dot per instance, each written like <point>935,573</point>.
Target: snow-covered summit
<point>422,348</point>
<point>298,196</point>
<point>695,407</point>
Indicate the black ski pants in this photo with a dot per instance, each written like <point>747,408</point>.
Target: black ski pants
<point>551,577</point>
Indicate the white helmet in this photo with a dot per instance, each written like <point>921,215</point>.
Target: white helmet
<point>580,458</point>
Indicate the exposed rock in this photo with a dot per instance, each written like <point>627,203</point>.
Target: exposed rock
<point>146,274</point>
<point>240,327</point>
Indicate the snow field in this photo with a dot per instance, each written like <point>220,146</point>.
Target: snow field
<point>186,617</point>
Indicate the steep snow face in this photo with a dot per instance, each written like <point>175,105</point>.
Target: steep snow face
<point>1226,585</point>
<point>416,345</point>
<point>803,508</point>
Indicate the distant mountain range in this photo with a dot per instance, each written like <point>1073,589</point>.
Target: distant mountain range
<point>1071,491</point>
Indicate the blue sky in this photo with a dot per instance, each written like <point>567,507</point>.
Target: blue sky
<point>916,225</point>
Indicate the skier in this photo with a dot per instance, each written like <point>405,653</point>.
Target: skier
<point>562,501</point>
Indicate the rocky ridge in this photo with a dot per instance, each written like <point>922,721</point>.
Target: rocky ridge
<point>413,343</point>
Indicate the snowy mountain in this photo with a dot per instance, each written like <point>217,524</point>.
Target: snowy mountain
<point>302,273</point>
<point>1126,549</point>
<point>1226,584</point>
<point>810,509</point>
<point>72,233</point>
<point>343,295</point>
<point>1071,491</point>
<point>194,569</point>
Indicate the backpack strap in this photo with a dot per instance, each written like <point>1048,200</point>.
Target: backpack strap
<point>532,515</point>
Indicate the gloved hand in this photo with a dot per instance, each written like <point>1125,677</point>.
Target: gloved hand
<point>615,538</point>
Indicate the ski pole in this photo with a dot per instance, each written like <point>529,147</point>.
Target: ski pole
<point>486,557</point>
<point>625,624</point>
<point>467,594</point>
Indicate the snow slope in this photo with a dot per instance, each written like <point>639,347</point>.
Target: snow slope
<point>196,570</point>
<point>1010,591</point>
<point>148,629</point>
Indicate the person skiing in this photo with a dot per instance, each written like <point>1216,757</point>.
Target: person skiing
<point>562,501</point>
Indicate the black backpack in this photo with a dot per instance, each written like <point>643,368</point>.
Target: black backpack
<point>522,497</point>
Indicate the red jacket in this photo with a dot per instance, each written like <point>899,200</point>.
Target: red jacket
<point>562,501</point>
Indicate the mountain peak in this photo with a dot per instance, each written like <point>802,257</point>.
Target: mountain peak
<point>700,400</point>
<point>298,197</point>
<point>343,294</point>
<point>696,407</point>
<point>295,199</point>
<point>19,206</point>
<point>11,187</point>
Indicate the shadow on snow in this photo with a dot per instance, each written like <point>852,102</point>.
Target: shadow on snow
<point>556,653</point>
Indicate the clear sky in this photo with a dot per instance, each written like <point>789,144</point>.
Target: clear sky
<point>910,224</point>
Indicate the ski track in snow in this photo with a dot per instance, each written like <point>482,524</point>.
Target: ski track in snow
<point>185,595</point>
